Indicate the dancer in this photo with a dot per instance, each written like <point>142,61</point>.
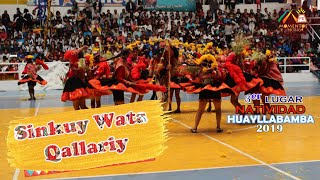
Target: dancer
<point>30,75</point>
<point>221,60</point>
<point>121,82</point>
<point>139,73</point>
<point>150,68</point>
<point>98,68</point>
<point>236,78</point>
<point>251,74</point>
<point>164,64</point>
<point>268,71</point>
<point>209,84</point>
<point>121,75</point>
<point>90,70</point>
<point>132,61</point>
<point>75,87</point>
<point>178,82</point>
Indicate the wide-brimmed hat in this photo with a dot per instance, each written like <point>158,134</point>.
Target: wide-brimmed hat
<point>29,57</point>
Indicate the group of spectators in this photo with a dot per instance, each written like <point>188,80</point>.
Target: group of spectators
<point>24,35</point>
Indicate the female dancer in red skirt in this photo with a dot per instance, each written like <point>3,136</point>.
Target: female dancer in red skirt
<point>178,82</point>
<point>121,82</point>
<point>31,77</point>
<point>268,71</point>
<point>238,79</point>
<point>75,87</point>
<point>221,61</point>
<point>118,83</point>
<point>235,79</point>
<point>139,73</point>
<point>98,68</point>
<point>250,72</point>
<point>209,84</point>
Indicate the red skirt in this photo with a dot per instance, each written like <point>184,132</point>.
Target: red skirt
<point>196,88</point>
<point>251,83</point>
<point>95,92</point>
<point>179,82</point>
<point>271,86</point>
<point>74,89</point>
<point>140,87</point>
<point>29,80</point>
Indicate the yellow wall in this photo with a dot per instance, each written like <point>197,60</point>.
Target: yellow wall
<point>21,2</point>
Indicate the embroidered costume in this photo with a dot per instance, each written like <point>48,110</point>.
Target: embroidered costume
<point>124,81</point>
<point>30,75</point>
<point>209,81</point>
<point>75,87</point>
<point>96,70</point>
<point>269,72</point>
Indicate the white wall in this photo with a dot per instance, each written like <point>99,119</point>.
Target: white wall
<point>12,8</point>
<point>299,77</point>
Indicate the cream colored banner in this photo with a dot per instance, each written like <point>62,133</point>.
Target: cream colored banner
<point>88,138</point>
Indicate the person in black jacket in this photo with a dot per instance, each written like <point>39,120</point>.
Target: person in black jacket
<point>15,16</point>
<point>5,18</point>
<point>97,5</point>
<point>28,18</point>
<point>19,23</point>
<point>131,8</point>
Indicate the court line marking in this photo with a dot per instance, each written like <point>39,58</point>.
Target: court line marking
<point>185,170</point>
<point>180,134</point>
<point>243,153</point>
<point>37,110</point>
<point>235,130</point>
<point>17,171</point>
<point>295,162</point>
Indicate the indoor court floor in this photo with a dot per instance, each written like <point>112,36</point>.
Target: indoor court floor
<point>239,153</point>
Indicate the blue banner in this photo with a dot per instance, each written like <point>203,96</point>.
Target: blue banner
<point>117,3</point>
<point>170,5</point>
